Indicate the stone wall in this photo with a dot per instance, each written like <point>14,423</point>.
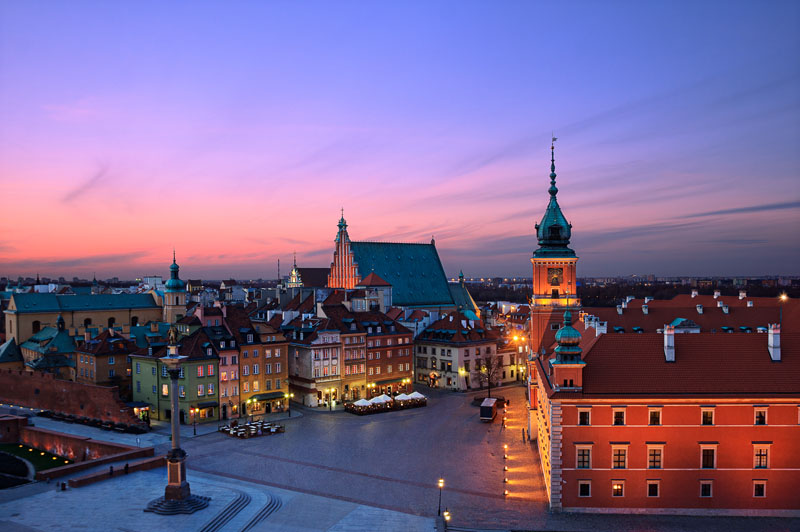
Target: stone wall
<point>44,391</point>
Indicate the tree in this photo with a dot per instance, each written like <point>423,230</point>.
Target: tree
<point>489,368</point>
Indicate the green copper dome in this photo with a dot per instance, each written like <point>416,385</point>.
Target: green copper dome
<point>174,284</point>
<point>553,232</point>
<point>568,339</point>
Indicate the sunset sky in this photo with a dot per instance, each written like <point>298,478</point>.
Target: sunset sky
<point>235,131</point>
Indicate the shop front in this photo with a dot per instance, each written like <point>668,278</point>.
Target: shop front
<point>392,387</point>
<point>265,403</point>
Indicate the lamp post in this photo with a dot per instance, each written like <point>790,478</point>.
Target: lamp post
<point>194,412</point>
<point>330,399</point>
<point>177,495</point>
<point>441,485</point>
<point>288,397</point>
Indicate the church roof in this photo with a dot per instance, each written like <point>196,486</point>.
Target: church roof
<point>462,298</point>
<point>413,270</point>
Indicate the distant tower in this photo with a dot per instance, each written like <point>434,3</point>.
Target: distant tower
<point>554,270</point>
<point>95,285</point>
<point>344,270</point>
<point>174,294</point>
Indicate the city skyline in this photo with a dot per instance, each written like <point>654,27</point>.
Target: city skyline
<point>236,138</point>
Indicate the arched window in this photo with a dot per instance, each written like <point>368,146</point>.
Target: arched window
<point>111,322</point>
<point>87,322</point>
<point>37,326</point>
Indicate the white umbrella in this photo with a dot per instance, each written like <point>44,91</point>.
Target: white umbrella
<point>377,400</point>
<point>385,398</point>
<point>402,397</point>
<point>416,395</point>
<point>362,402</point>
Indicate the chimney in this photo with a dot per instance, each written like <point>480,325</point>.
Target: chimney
<point>644,309</point>
<point>648,299</point>
<point>716,294</point>
<point>224,311</point>
<point>742,294</point>
<point>619,309</point>
<point>749,303</point>
<point>600,327</point>
<point>699,309</point>
<point>87,335</point>
<point>719,303</point>
<point>694,293</point>
<point>725,309</point>
<point>774,342</point>
<point>628,299</point>
<point>669,343</point>
<point>625,303</point>
<point>200,312</point>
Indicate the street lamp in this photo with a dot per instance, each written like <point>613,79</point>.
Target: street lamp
<point>288,397</point>
<point>177,495</point>
<point>441,485</point>
<point>330,399</point>
<point>194,412</point>
<point>446,514</point>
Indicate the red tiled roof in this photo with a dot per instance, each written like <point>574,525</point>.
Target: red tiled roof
<point>706,365</point>
<point>373,280</point>
<point>455,328</point>
<point>394,313</point>
<point>107,344</point>
<point>712,318</point>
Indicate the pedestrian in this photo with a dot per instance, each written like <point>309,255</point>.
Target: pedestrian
<point>126,468</point>
<point>111,471</point>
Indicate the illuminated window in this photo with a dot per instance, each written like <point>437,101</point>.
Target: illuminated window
<point>210,388</point>
<point>182,391</point>
<point>200,370</point>
<point>255,386</point>
<point>200,389</point>
<point>617,488</point>
<point>211,370</point>
<point>653,488</point>
<point>165,390</point>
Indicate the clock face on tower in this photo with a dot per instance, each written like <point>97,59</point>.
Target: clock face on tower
<point>555,276</point>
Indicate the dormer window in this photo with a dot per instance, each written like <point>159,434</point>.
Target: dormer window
<point>249,338</point>
<point>222,344</point>
<point>208,352</point>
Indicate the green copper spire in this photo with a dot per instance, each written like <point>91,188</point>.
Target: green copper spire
<point>342,228</point>
<point>174,284</point>
<point>553,232</point>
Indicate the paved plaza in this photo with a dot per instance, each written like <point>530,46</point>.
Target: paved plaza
<point>339,472</point>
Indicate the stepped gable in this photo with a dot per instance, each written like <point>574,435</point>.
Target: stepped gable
<point>706,364</point>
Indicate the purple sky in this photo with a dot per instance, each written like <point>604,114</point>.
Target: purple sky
<point>234,131</point>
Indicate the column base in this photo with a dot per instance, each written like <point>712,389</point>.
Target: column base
<point>189,505</point>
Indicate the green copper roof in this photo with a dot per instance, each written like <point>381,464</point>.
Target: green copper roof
<point>568,339</point>
<point>49,341</point>
<point>414,271</point>
<point>9,352</point>
<point>462,298</point>
<point>29,303</point>
<point>553,232</point>
<point>174,284</point>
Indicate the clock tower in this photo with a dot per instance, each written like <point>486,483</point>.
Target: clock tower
<point>554,270</point>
